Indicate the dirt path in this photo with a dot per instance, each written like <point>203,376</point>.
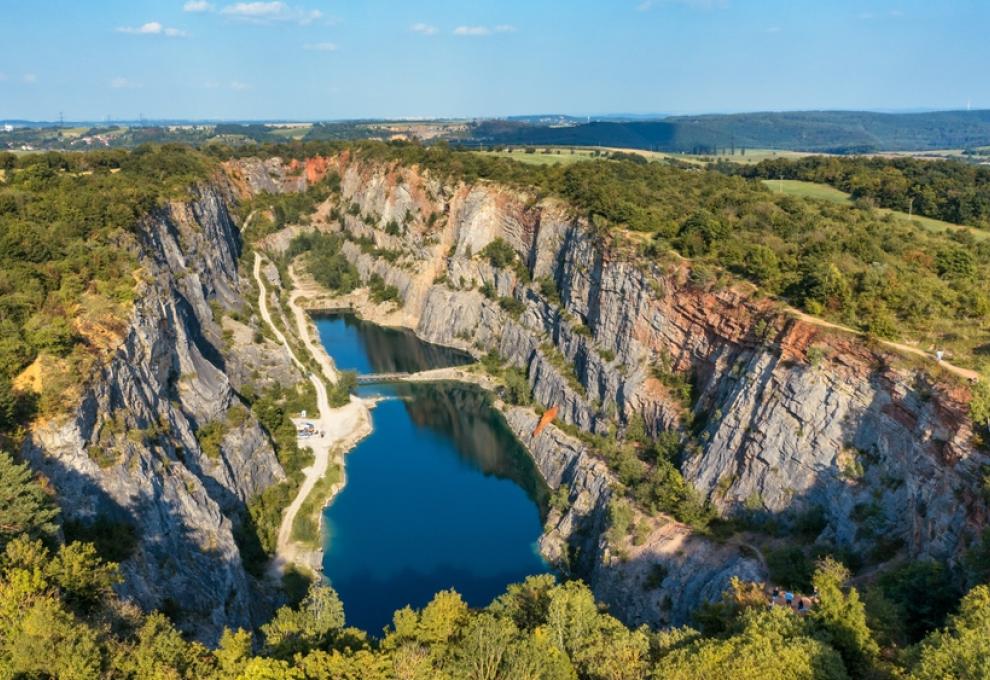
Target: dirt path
<point>342,428</point>
<point>303,324</point>
<point>965,373</point>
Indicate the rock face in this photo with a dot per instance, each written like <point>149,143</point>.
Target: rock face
<point>128,453</point>
<point>791,419</point>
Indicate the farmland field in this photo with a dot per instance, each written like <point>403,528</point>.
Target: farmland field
<point>824,192</point>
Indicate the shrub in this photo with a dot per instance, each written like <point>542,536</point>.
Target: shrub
<point>499,253</point>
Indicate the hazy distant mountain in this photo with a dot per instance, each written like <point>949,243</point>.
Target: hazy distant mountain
<point>837,131</point>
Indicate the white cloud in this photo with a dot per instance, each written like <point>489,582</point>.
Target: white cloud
<point>478,31</point>
<point>472,30</point>
<point>896,13</point>
<point>3,76</point>
<point>773,29</point>
<point>647,5</point>
<point>29,78</point>
<point>866,16</point>
<point>423,29</point>
<point>150,28</point>
<point>268,12</point>
<point>238,86</point>
<point>121,83</point>
<point>153,28</point>
<point>197,6</point>
<point>320,47</point>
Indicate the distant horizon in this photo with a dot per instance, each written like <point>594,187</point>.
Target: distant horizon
<point>595,117</point>
<point>317,60</point>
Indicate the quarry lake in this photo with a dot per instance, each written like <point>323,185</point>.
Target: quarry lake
<point>441,495</point>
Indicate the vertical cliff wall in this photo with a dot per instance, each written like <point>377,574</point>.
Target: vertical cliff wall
<point>128,453</point>
<point>790,418</point>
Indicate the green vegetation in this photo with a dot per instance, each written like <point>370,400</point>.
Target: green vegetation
<point>822,131</point>
<point>25,509</point>
<point>68,247</point>
<point>306,528</point>
<point>340,394</point>
<point>274,409</point>
<point>852,265</point>
<point>516,388</point>
<point>379,291</point>
<point>324,261</point>
<point>946,190</point>
<point>59,617</point>
<point>276,211</point>
<point>803,189</point>
<point>499,253</point>
<point>543,156</point>
<point>210,435</point>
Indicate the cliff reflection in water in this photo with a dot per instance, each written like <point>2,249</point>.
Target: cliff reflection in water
<point>482,439</point>
<point>440,494</point>
<point>382,350</point>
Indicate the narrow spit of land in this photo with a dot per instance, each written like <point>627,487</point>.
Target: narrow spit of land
<point>342,428</point>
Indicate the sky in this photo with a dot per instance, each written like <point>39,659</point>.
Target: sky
<point>340,59</point>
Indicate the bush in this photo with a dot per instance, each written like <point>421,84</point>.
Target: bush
<point>511,305</point>
<point>340,394</point>
<point>210,436</point>
<point>379,291</point>
<point>499,253</point>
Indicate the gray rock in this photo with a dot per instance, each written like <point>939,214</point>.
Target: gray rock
<point>128,453</point>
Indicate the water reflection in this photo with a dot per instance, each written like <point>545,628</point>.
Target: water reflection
<point>381,350</point>
<point>480,435</point>
<point>440,495</point>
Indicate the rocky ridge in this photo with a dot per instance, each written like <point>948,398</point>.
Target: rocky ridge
<point>789,418</point>
<point>128,454</point>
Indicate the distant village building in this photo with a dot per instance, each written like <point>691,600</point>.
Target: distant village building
<point>7,127</point>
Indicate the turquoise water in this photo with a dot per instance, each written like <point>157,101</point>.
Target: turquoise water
<point>440,495</point>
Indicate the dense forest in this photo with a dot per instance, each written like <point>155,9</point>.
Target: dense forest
<point>945,190</point>
<point>59,618</point>
<point>824,131</point>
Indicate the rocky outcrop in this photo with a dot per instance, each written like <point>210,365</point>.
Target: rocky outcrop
<point>128,453</point>
<point>789,418</point>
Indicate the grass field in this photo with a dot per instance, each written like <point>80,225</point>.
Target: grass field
<point>824,192</point>
<point>548,155</point>
<point>753,156</point>
<point>796,187</point>
<point>291,131</point>
<point>540,157</point>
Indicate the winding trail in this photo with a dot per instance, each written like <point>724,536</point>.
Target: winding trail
<point>342,428</point>
<point>964,373</point>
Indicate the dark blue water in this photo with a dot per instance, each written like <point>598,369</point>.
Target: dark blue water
<point>440,495</point>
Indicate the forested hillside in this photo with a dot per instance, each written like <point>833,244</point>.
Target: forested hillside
<point>68,261</point>
<point>831,131</point>
<point>945,190</point>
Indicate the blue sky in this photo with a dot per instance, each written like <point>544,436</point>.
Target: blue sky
<point>326,59</point>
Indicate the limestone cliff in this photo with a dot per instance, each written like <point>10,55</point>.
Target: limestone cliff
<point>790,417</point>
<point>128,454</point>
